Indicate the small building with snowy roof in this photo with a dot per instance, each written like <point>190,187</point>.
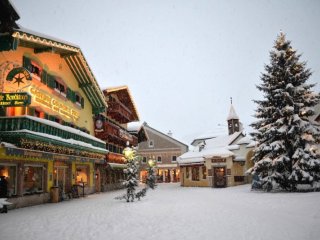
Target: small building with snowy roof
<point>218,161</point>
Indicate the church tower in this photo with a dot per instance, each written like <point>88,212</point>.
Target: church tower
<point>233,120</point>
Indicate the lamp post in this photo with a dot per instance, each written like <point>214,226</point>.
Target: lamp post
<point>151,179</point>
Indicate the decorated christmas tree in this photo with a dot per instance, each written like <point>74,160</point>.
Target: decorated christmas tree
<point>131,172</point>
<point>286,155</point>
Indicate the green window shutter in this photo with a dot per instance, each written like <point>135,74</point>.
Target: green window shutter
<point>51,81</point>
<point>68,93</point>
<point>82,102</point>
<point>44,76</point>
<point>73,97</point>
<point>27,63</point>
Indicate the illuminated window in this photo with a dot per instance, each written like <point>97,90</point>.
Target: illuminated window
<point>33,179</point>
<point>82,174</point>
<point>195,174</point>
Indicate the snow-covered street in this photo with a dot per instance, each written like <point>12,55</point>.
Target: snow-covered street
<point>171,212</point>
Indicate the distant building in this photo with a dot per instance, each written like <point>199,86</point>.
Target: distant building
<point>218,161</point>
<point>165,150</point>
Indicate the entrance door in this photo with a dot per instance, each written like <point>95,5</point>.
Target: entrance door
<point>220,179</point>
<point>98,181</point>
<point>60,179</point>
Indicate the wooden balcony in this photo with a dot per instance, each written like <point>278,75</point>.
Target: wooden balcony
<point>116,135</point>
<point>119,112</point>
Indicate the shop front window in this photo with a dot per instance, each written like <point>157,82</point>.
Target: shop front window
<point>8,180</point>
<point>33,179</point>
<point>82,174</point>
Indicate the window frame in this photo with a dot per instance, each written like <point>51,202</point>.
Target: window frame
<point>151,143</point>
<point>174,160</point>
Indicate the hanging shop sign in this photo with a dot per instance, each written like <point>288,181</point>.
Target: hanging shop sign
<point>21,99</point>
<point>54,104</point>
<point>218,160</point>
<point>99,123</point>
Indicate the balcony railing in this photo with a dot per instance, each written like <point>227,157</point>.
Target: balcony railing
<point>119,112</point>
<point>115,134</point>
<point>47,127</point>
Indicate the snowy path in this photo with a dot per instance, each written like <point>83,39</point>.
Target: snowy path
<point>171,212</point>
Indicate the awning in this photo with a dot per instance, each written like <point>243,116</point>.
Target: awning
<point>117,165</point>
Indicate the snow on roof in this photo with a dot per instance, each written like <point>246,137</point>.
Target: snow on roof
<point>70,141</point>
<point>245,140</point>
<point>192,160</point>
<point>41,35</point>
<point>134,126</point>
<point>222,141</point>
<point>233,147</point>
<point>218,146</point>
<point>65,128</point>
<point>232,113</point>
<point>196,156</point>
<point>252,144</point>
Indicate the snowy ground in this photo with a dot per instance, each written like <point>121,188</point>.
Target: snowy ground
<point>171,212</point>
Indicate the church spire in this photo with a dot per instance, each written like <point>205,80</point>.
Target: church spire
<point>233,120</point>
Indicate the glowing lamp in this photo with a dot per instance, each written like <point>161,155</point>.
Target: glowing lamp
<point>128,153</point>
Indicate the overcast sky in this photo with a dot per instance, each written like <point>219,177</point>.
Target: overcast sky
<point>181,59</point>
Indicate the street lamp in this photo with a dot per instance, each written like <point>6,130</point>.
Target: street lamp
<point>128,153</point>
<point>151,162</point>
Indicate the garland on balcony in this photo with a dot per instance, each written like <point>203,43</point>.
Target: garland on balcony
<point>46,147</point>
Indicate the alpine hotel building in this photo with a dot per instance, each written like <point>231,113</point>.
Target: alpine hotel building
<point>48,101</point>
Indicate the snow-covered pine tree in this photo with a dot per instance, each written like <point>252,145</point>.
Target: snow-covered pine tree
<point>285,155</point>
<point>131,172</point>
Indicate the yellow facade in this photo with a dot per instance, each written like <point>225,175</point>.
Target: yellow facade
<point>54,65</point>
